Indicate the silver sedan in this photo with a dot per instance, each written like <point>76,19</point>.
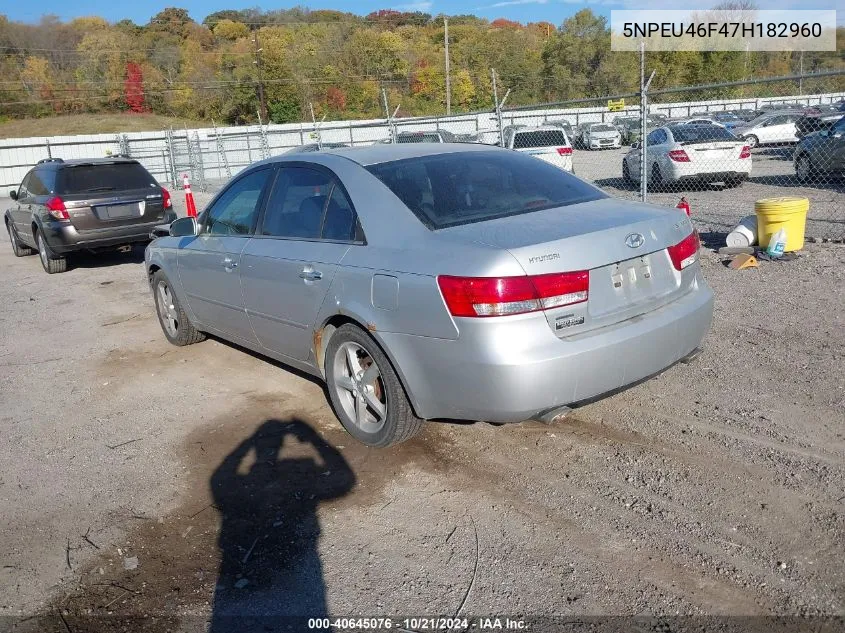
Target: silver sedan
<point>432,281</point>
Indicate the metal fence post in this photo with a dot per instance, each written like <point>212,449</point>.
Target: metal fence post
<point>222,152</point>
<point>199,162</point>
<point>644,125</point>
<point>169,141</point>
<point>49,151</point>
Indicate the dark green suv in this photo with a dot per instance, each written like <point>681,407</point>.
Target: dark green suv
<point>64,206</point>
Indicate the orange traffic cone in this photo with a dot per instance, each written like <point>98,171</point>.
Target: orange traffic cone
<point>189,197</point>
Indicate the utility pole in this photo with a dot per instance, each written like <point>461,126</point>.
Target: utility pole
<point>448,76</point>
<point>262,104</point>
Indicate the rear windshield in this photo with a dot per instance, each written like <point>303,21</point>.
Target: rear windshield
<point>602,127</point>
<point>104,177</point>
<point>543,138</point>
<point>451,189</point>
<point>418,138</point>
<point>701,133</point>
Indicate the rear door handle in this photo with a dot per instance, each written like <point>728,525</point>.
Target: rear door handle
<point>309,274</point>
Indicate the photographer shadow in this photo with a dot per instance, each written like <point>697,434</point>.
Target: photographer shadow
<point>268,491</point>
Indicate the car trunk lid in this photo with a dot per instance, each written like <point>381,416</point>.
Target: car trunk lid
<point>623,246</point>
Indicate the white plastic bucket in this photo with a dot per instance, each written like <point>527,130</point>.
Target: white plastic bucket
<point>744,233</point>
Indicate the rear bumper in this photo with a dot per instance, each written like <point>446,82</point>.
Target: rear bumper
<point>515,368</point>
<point>680,174</point>
<point>64,238</point>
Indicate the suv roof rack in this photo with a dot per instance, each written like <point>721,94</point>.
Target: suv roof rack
<point>50,160</point>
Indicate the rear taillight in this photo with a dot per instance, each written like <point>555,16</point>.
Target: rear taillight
<point>679,156</point>
<point>746,152</point>
<point>56,208</point>
<point>564,151</point>
<point>500,296</point>
<point>165,198</point>
<point>684,252</point>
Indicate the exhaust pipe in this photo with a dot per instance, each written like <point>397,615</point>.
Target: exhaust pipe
<point>552,416</point>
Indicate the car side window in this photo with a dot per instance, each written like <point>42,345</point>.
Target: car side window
<point>234,212</point>
<point>339,222</point>
<point>656,138</point>
<point>839,128</point>
<point>297,203</point>
<point>36,184</point>
<point>23,190</point>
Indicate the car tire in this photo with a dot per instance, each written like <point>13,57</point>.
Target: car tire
<point>656,182</point>
<point>626,174</point>
<point>17,248</point>
<point>175,324</point>
<point>371,404</point>
<point>803,168</point>
<point>752,141</point>
<point>50,262</point>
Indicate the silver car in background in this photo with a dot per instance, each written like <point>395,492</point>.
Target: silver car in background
<point>432,281</point>
<point>599,136</point>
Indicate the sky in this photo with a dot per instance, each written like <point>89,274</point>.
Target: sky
<point>554,11</point>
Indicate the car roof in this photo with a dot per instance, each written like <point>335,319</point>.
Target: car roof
<point>537,128</point>
<point>74,162</point>
<point>375,154</point>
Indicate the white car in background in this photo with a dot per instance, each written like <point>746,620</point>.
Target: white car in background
<point>700,121</point>
<point>681,153</point>
<point>599,136</point>
<point>777,126</point>
<point>548,143</point>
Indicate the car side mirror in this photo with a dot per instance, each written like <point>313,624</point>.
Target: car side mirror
<point>635,145</point>
<point>183,227</point>
<point>13,194</point>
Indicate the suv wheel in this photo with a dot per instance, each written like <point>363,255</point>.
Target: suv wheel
<point>365,391</point>
<point>752,141</point>
<point>50,262</point>
<point>171,316</point>
<point>803,168</point>
<point>17,248</point>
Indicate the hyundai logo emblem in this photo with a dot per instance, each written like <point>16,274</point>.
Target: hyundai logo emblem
<point>635,240</point>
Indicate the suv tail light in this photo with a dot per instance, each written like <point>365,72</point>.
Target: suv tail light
<point>166,202</point>
<point>746,152</point>
<point>679,155</point>
<point>56,208</point>
<point>500,296</point>
<point>684,252</point>
<point>564,151</point>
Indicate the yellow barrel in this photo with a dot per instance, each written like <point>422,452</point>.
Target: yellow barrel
<point>789,214</point>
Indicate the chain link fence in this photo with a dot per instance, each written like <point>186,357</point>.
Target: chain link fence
<point>721,154</point>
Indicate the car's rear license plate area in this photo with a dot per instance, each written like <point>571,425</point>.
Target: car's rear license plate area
<point>121,211</point>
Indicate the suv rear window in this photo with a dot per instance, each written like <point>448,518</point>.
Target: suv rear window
<point>103,177</point>
<point>414,137</point>
<point>543,138</point>
<point>459,188</point>
<point>602,127</point>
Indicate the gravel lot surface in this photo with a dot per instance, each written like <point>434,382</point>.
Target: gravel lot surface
<point>127,464</point>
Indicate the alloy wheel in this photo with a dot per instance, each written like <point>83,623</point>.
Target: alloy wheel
<point>359,386</point>
<point>167,309</point>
